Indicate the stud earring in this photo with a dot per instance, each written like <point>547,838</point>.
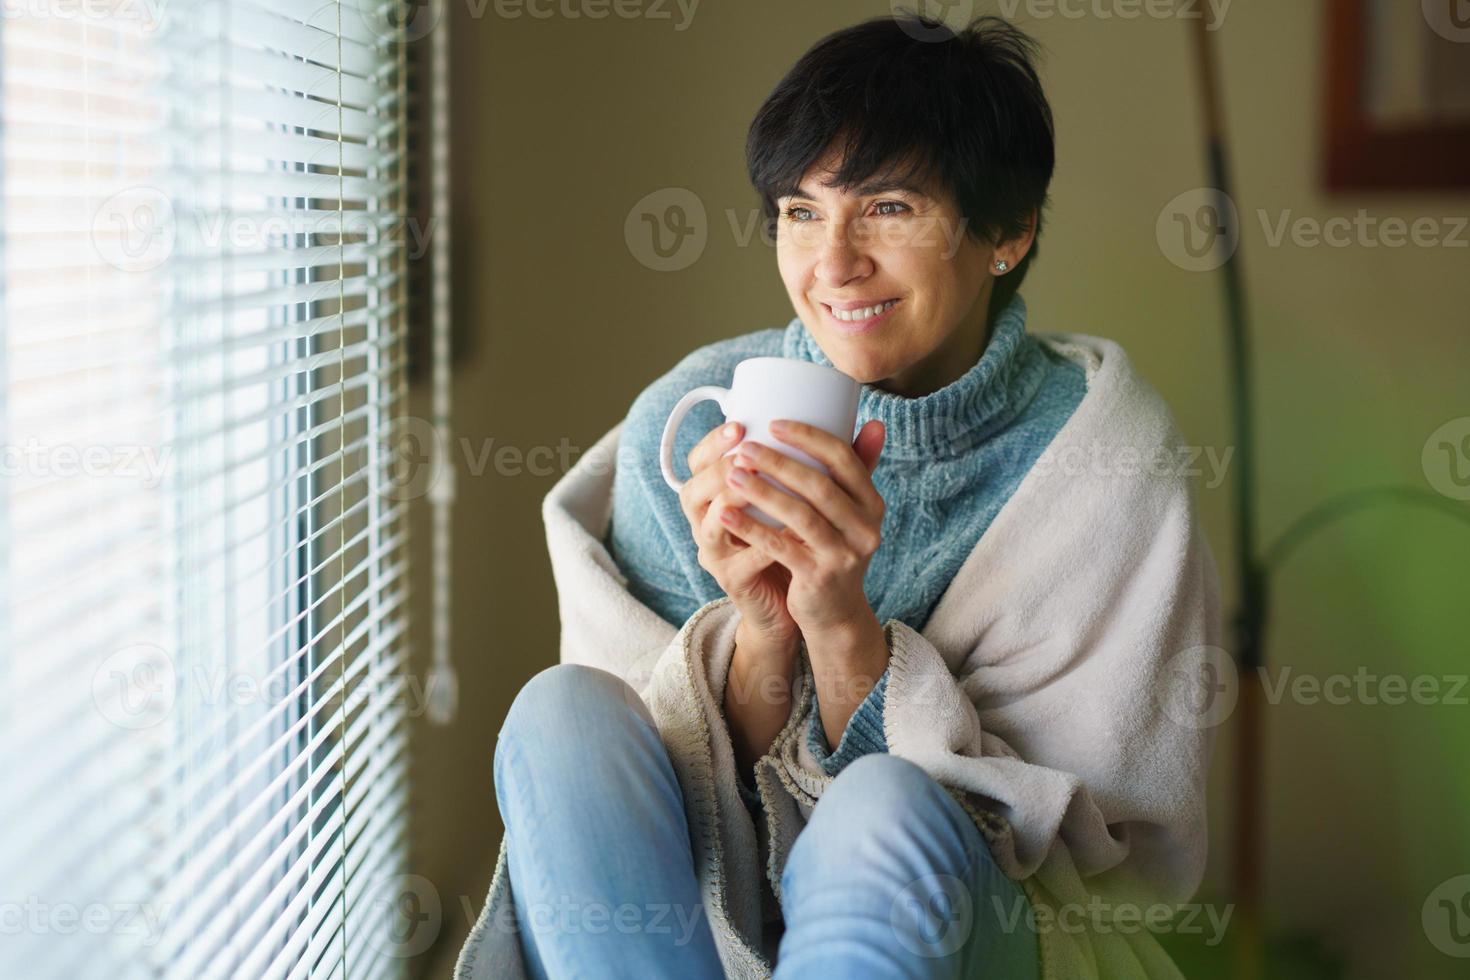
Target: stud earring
<point>1001,265</point>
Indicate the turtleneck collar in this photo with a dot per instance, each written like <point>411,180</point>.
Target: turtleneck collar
<point>954,418</point>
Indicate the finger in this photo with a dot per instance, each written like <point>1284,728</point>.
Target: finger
<point>702,488</point>
<point>745,564</point>
<point>869,443</point>
<point>780,546</point>
<point>842,462</point>
<point>800,518</point>
<point>714,443</point>
<point>818,490</point>
<point>715,535</point>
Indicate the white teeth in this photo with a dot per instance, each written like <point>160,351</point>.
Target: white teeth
<point>863,314</point>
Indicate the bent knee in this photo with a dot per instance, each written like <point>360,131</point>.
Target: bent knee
<point>879,793</point>
<point>565,691</point>
<point>884,812</point>
<point>882,780</point>
<point>565,698</point>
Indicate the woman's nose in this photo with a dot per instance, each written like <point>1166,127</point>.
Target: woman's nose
<point>842,256</point>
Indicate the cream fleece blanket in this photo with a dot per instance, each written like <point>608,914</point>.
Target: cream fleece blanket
<point>1044,693</point>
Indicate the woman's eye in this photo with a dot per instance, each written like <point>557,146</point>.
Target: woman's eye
<point>803,214</point>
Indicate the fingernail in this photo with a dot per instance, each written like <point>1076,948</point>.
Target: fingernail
<point>777,426</point>
<point>729,430</point>
<point>728,517</point>
<point>739,477</point>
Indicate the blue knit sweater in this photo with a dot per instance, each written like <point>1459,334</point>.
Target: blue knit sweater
<point>950,460</point>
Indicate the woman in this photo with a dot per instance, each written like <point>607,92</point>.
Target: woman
<point>972,636</point>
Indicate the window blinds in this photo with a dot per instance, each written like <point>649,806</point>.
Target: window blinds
<point>203,589</point>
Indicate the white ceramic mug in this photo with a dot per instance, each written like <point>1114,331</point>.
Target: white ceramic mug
<point>768,388</point>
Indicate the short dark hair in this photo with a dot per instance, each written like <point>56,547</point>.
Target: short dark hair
<point>911,99</point>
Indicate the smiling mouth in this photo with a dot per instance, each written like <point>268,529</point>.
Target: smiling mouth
<point>861,315</point>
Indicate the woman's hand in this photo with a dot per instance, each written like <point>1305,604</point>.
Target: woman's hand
<point>755,583</point>
<point>833,525</point>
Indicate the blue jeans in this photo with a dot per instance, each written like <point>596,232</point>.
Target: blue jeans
<point>889,878</point>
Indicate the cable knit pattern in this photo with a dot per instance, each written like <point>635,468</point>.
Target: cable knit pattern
<point>950,461</point>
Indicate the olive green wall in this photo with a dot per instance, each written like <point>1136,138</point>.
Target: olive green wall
<point>562,124</point>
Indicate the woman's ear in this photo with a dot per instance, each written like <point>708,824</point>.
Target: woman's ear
<point>1014,249</point>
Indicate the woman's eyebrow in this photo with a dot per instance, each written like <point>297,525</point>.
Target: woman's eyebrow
<point>867,190</point>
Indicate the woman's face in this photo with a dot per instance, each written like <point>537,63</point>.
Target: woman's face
<point>888,244</point>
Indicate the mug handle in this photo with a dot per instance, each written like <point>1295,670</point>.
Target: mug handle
<point>671,428</point>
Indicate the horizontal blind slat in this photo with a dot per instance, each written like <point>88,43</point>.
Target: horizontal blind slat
<point>263,348</point>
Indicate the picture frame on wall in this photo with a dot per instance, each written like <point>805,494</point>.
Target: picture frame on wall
<point>1397,95</point>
